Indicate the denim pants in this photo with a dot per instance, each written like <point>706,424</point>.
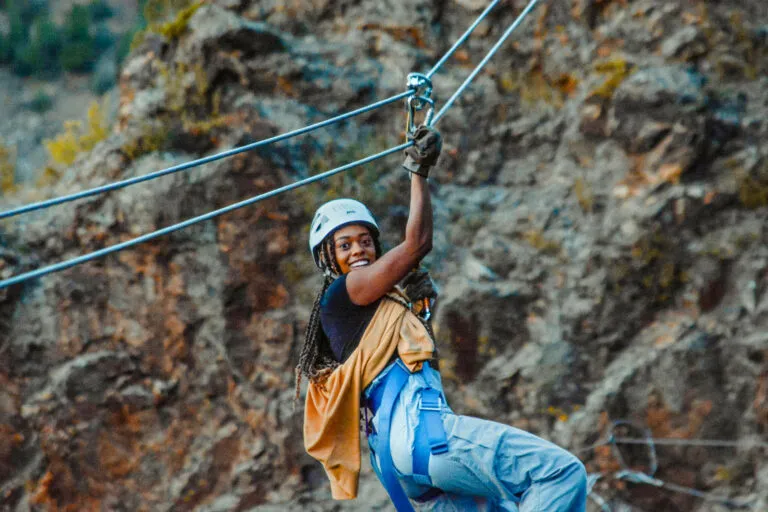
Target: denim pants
<point>488,466</point>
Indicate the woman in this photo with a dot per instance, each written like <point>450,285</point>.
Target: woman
<point>366,347</point>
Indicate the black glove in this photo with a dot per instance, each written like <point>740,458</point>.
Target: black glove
<point>418,285</point>
<point>423,155</point>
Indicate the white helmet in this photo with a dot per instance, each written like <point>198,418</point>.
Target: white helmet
<point>335,214</point>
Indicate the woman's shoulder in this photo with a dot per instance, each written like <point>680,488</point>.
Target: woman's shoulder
<point>336,296</point>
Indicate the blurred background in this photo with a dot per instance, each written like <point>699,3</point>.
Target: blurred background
<point>600,247</point>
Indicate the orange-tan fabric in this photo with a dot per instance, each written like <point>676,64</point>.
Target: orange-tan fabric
<point>332,411</point>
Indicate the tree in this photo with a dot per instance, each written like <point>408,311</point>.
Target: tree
<point>77,28</point>
<point>47,40</point>
<point>78,53</point>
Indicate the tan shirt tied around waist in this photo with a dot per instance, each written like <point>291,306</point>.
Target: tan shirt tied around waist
<point>332,411</point>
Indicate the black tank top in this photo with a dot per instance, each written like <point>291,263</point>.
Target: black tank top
<point>343,321</point>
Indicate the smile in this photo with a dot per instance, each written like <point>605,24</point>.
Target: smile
<point>359,263</point>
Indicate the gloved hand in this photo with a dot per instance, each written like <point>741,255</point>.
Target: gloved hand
<point>423,155</point>
<point>419,285</point>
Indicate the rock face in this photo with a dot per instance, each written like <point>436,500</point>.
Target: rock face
<point>600,205</point>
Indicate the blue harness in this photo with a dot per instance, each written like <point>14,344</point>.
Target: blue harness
<point>430,435</point>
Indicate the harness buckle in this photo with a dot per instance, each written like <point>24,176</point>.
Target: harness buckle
<point>429,403</point>
<point>439,448</point>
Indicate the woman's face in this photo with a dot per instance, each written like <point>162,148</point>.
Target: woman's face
<point>354,247</point>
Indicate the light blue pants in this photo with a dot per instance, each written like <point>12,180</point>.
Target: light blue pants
<point>488,467</point>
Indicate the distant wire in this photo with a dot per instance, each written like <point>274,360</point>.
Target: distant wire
<point>648,478</point>
<point>639,477</point>
<point>671,441</point>
<point>200,161</point>
<point>712,443</point>
<point>195,220</point>
<point>485,60</point>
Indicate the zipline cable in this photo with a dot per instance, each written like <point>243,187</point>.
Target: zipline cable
<point>194,163</point>
<point>485,60</point>
<point>195,220</point>
<point>170,229</point>
<point>463,38</point>
<point>248,147</point>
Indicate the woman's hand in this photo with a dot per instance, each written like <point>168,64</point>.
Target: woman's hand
<point>419,285</point>
<point>423,155</point>
<point>368,284</point>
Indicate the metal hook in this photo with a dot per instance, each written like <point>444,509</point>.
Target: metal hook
<point>413,105</point>
<point>419,83</point>
<point>421,99</point>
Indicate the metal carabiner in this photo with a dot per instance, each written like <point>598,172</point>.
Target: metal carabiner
<point>422,87</point>
<point>413,105</point>
<point>419,83</point>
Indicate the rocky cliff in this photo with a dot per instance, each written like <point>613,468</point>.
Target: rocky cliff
<point>601,250</point>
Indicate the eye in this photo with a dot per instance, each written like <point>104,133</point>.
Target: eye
<point>366,242</point>
<point>344,246</point>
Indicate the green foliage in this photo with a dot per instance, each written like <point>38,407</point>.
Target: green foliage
<point>39,55</point>
<point>6,49</point>
<point>34,45</point>
<point>7,169</point>
<point>76,138</point>
<point>186,87</point>
<point>175,28</point>
<point>79,51</point>
<point>166,17</point>
<point>125,44</point>
<point>78,57</point>
<point>42,102</point>
<point>78,25</point>
<point>99,10</point>
<point>25,59</point>
<point>151,139</point>
<point>753,188</point>
<point>157,12</point>
<point>535,87</point>
<point>656,262</point>
<point>616,71</point>
<point>103,39</point>
<point>537,240</point>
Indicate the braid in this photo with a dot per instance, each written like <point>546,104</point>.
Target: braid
<point>316,358</point>
<point>330,256</point>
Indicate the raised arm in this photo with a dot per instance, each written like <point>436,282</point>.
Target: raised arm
<point>368,284</point>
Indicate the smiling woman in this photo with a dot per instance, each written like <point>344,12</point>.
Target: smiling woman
<point>366,347</point>
<point>354,247</point>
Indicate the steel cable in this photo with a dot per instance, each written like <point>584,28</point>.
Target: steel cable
<point>485,60</point>
<point>170,229</point>
<point>195,163</point>
<point>40,205</point>
<point>195,220</point>
<point>463,38</point>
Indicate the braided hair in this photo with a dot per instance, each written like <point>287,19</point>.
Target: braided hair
<point>316,359</point>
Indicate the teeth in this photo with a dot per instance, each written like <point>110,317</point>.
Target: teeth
<point>359,263</point>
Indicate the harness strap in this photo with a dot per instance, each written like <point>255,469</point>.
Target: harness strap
<point>394,382</point>
<point>430,437</point>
